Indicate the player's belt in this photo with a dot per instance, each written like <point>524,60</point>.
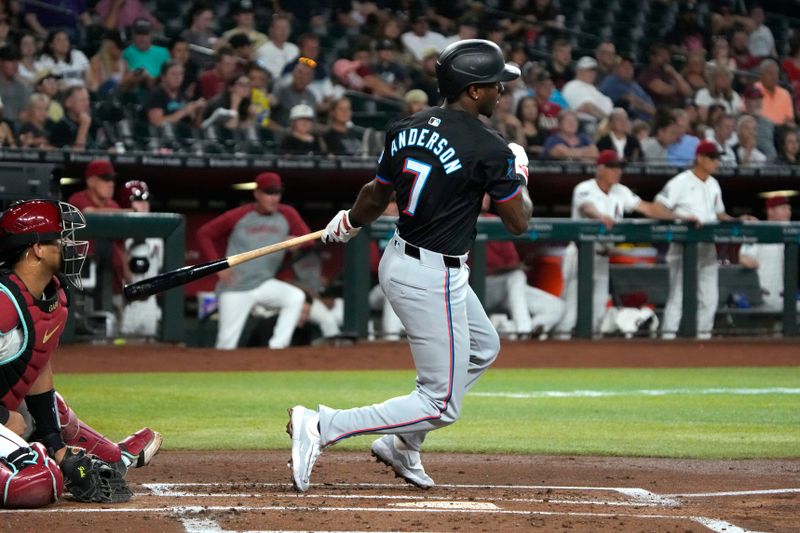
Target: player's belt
<point>449,260</point>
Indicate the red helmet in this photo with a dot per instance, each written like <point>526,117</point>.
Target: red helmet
<point>28,222</point>
<point>132,191</point>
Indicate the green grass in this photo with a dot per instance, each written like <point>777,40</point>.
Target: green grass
<point>247,410</point>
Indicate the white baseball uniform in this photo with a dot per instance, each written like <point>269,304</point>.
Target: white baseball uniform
<point>770,271</point>
<point>618,201</point>
<point>687,195</point>
<point>143,317</point>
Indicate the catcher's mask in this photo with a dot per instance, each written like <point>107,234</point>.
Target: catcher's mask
<point>29,222</point>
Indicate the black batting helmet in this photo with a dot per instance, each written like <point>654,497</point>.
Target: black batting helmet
<point>471,61</point>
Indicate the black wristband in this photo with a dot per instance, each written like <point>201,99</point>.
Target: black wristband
<point>44,412</point>
<point>5,414</point>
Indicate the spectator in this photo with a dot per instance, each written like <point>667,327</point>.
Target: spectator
<point>108,70</point>
<point>626,93</point>
<point>606,56</point>
<point>567,143</point>
<point>654,149</point>
<point>76,130</point>
<point>760,43</point>
<point>234,102</point>
<point>791,65</point>
<point>687,35</point>
<point>549,101</point>
<point>213,81</point>
<point>263,222</point>
<point>118,15</point>
<point>421,39</point>
<point>200,32</point>
<point>293,91</point>
<point>13,93</point>
<point>533,311</point>
<point>605,200</point>
<point>694,71</point>
<point>166,103</point>
<point>423,77</point>
<point>640,130</point>
<point>581,94</point>
<point>721,54</point>
<point>619,137</point>
<point>277,52</point>
<point>466,28</point>
<point>29,57</point>
<point>301,139</point>
<point>528,115</point>
<point>776,102</point>
<point>694,195</point>
<point>505,120</point>
<point>724,139</point>
<point>768,259</point>
<point>681,152</point>
<point>790,148</point>
<point>389,68</point>
<point>179,53</point>
<point>59,57</point>
<point>6,135</point>
<point>259,96</point>
<point>309,47</point>
<point>142,55</point>
<point>341,136</point>
<point>560,64</point>
<point>33,132</point>
<point>662,82</point>
<point>415,101</point>
<point>242,48</point>
<point>47,84</point>
<point>357,76</point>
<point>70,18</point>
<point>242,13</point>
<point>720,92</point>
<point>740,50</point>
<point>745,151</point>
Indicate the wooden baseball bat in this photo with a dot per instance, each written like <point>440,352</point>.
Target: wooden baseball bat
<point>168,280</point>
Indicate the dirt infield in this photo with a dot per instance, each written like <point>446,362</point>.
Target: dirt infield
<point>212,492</point>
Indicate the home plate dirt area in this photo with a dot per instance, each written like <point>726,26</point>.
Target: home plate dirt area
<point>220,491</point>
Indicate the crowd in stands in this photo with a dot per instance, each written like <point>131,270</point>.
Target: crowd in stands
<point>325,78</point>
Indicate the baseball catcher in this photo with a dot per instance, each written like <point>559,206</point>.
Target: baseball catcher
<point>38,255</point>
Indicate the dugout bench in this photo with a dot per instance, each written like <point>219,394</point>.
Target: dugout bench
<point>585,234</point>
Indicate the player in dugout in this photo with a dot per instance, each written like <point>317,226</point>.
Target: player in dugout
<point>44,447</point>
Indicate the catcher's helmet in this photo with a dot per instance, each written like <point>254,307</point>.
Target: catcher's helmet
<point>133,191</point>
<point>471,61</point>
<point>28,222</point>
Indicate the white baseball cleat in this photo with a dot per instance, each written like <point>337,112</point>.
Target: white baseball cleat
<point>392,451</point>
<point>306,446</point>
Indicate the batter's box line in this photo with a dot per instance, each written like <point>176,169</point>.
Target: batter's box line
<point>637,496</point>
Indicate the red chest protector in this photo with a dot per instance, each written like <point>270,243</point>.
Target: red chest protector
<point>41,323</point>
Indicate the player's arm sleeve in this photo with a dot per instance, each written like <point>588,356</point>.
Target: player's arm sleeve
<point>667,196</point>
<point>631,200</point>
<point>212,236</point>
<point>384,174</point>
<point>501,179</point>
<point>719,205</point>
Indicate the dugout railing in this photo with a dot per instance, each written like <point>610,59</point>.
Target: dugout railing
<point>585,234</point>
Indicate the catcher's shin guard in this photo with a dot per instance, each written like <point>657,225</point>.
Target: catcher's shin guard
<point>76,433</point>
<point>29,479</point>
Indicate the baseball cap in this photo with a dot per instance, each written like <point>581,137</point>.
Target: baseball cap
<point>141,26</point>
<point>101,168</point>
<point>385,44</point>
<point>269,182</point>
<point>776,198</point>
<point>301,111</point>
<point>243,6</point>
<point>586,62</point>
<point>708,149</point>
<point>609,158</point>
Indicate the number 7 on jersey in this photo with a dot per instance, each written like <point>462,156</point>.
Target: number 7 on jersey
<point>420,171</point>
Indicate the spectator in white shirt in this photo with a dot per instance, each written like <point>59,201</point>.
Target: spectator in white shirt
<point>746,152</point>
<point>582,95</point>
<point>277,52</point>
<point>723,139</point>
<point>720,92</point>
<point>420,39</point>
<point>760,43</point>
<point>60,58</point>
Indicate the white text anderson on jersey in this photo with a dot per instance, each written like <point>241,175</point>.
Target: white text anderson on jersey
<point>417,137</point>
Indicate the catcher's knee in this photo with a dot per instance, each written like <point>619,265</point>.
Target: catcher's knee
<point>29,479</point>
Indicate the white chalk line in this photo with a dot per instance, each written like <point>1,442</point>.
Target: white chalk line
<point>734,493</point>
<point>637,392</point>
<point>206,525</point>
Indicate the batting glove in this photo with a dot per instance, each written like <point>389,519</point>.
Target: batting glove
<point>339,229</point>
<point>521,160</point>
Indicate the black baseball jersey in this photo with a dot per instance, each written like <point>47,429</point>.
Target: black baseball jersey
<point>441,161</point>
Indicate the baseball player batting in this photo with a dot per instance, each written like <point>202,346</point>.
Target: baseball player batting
<point>440,162</point>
